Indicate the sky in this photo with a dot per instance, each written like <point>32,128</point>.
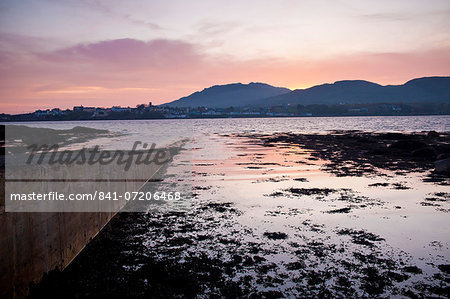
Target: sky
<point>64,53</point>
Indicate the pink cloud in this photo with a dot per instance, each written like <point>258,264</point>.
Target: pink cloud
<point>129,54</point>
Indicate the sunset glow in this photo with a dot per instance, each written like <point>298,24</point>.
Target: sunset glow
<point>104,53</point>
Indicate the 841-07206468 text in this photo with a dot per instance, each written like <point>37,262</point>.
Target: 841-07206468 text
<point>97,195</point>
<point>140,195</point>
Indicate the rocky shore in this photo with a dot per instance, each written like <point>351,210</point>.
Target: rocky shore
<point>285,215</point>
<point>356,153</point>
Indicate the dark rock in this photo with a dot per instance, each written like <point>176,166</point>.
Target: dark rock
<point>442,166</point>
<point>400,186</point>
<point>413,269</point>
<point>426,153</point>
<point>443,148</point>
<point>433,134</point>
<point>442,156</point>
<point>378,151</point>
<point>408,145</point>
<point>343,210</point>
<point>311,191</point>
<point>392,136</point>
<point>301,180</point>
<point>444,268</point>
<point>275,235</point>
<point>379,185</point>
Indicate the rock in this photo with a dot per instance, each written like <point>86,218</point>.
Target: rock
<point>443,148</point>
<point>442,166</point>
<point>408,145</point>
<point>444,268</point>
<point>442,156</point>
<point>432,134</point>
<point>392,136</point>
<point>378,151</point>
<point>426,153</point>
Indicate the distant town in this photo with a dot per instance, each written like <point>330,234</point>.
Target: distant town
<point>150,111</point>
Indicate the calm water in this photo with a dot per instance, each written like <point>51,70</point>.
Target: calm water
<point>167,131</point>
<point>243,174</point>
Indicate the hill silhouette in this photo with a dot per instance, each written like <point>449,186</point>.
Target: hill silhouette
<point>427,89</point>
<point>222,96</point>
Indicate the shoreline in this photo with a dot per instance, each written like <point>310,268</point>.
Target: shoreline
<point>399,152</point>
<point>215,247</point>
<point>223,117</point>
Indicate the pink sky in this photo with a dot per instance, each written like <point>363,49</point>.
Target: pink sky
<point>48,61</point>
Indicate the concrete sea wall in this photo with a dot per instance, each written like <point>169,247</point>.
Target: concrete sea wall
<point>39,236</point>
<point>32,244</point>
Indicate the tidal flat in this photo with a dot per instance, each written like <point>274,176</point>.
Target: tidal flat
<point>338,214</point>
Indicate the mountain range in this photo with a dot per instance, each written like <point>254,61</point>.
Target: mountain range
<point>427,89</point>
<point>235,94</point>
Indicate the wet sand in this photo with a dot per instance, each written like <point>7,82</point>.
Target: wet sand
<point>286,215</point>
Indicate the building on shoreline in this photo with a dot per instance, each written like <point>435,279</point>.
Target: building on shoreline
<point>149,111</point>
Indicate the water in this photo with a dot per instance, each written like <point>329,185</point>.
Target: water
<point>324,124</point>
<point>240,206</point>
<point>165,132</point>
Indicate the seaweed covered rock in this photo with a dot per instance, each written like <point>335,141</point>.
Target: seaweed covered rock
<point>442,166</point>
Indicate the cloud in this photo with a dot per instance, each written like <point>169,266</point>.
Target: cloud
<point>130,54</point>
<point>128,71</point>
<point>113,72</point>
<point>387,17</point>
<point>109,10</point>
<point>210,28</point>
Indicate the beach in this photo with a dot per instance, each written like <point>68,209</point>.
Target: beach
<point>333,214</point>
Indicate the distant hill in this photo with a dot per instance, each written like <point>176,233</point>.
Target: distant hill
<point>223,96</point>
<point>428,89</point>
